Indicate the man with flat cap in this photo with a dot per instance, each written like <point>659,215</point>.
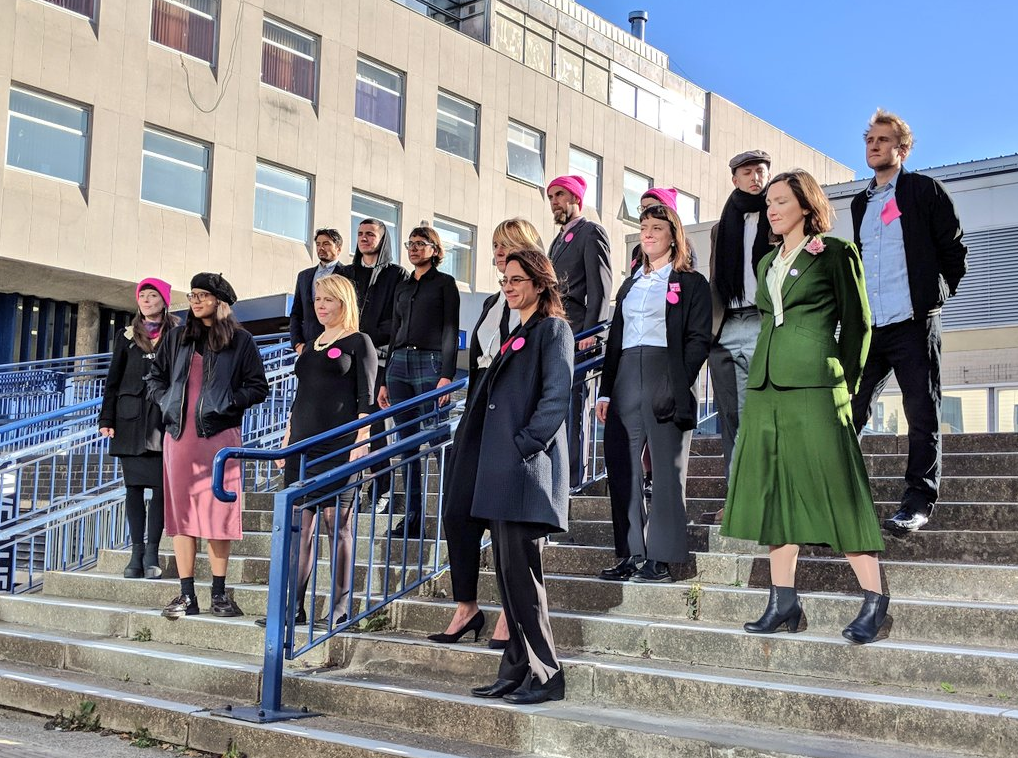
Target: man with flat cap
<point>737,243</point>
<point>581,256</point>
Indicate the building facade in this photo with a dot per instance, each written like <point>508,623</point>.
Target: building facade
<point>166,137</point>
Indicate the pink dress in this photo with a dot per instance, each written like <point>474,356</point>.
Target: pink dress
<point>191,508</point>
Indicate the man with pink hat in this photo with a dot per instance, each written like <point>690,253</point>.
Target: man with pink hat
<point>581,256</point>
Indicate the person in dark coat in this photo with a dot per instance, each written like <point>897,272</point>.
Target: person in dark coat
<point>516,460</point>
<point>463,533</point>
<point>658,343</point>
<point>304,326</point>
<point>134,426</point>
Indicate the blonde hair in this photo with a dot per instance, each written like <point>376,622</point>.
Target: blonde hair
<point>517,234</point>
<point>341,289</point>
<point>901,130</point>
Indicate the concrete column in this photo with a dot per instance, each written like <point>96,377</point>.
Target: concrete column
<point>87,341</point>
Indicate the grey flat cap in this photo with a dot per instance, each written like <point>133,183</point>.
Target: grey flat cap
<point>750,156</point>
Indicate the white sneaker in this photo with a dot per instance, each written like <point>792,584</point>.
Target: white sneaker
<point>382,504</point>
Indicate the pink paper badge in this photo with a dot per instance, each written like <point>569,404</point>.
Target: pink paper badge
<point>518,343</point>
<point>672,297</point>
<point>334,352</point>
<point>569,237</point>
<point>890,211</point>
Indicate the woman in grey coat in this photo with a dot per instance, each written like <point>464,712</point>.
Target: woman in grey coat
<point>516,437</point>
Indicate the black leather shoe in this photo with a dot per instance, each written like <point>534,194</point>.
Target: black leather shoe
<point>301,619</point>
<point>623,570</point>
<point>135,568</point>
<point>906,521</point>
<point>495,644</point>
<point>872,615</point>
<point>408,526</point>
<point>223,606</point>
<point>553,689</point>
<point>783,610</point>
<point>151,562</point>
<point>181,605</point>
<point>499,688</point>
<point>652,571</point>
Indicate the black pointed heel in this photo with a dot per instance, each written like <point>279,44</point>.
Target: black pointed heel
<point>783,610</point>
<point>475,625</point>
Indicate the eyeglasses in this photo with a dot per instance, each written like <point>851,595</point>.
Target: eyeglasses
<point>513,281</point>
<point>415,245</point>
<point>198,297</point>
<point>644,206</point>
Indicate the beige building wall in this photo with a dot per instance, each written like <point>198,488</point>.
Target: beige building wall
<point>58,241</point>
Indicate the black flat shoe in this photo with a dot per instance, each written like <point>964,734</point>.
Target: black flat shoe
<point>652,571</point>
<point>622,570</point>
<point>301,619</point>
<point>498,644</point>
<point>905,522</point>
<point>866,626</point>
<point>224,607</point>
<point>783,610</point>
<point>408,527</point>
<point>151,562</point>
<point>499,688</point>
<point>181,605</point>
<point>135,568</point>
<point>475,625</point>
<point>553,689</point>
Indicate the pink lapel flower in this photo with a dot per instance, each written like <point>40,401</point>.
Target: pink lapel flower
<point>815,246</point>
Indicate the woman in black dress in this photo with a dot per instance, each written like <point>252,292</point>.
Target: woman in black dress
<point>134,425</point>
<point>335,382</point>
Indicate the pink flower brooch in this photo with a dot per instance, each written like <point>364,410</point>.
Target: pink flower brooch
<point>815,246</point>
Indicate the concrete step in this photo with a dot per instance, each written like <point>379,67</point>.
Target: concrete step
<point>893,464</point>
<point>966,489</point>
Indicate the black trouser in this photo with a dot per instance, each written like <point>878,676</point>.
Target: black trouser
<point>382,481</point>
<point>463,535</point>
<point>911,349</point>
<point>577,412</point>
<point>519,569</point>
<point>134,504</point>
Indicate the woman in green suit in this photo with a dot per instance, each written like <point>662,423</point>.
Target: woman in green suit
<point>798,476</point>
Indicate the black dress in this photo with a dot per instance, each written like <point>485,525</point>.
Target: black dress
<point>334,386</point>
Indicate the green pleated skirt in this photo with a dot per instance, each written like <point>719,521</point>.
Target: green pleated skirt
<point>798,475</point>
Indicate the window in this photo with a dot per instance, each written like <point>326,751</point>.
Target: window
<point>186,25</point>
<point>379,98</point>
<point>289,59</point>
<point>47,136</point>
<point>282,202</point>
<point>689,208</point>
<point>458,241</point>
<point>581,68</point>
<point>175,172</point>
<point>633,187</point>
<point>457,127</point>
<point>84,7</point>
<point>526,154</point>
<point>364,206</point>
<point>588,166</point>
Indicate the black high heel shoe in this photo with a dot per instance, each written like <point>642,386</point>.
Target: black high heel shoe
<point>783,610</point>
<point>475,625</point>
<point>866,627</point>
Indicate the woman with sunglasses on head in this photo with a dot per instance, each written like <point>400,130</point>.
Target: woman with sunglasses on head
<point>422,355</point>
<point>206,373</point>
<point>134,426</point>
<point>463,533</point>
<point>659,340</point>
<point>513,454</point>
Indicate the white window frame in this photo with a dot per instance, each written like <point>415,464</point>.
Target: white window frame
<point>599,175</point>
<point>476,124</point>
<point>189,9</point>
<point>444,221</point>
<point>87,135</point>
<point>308,201</point>
<point>394,233</point>
<point>624,214</point>
<point>401,94</point>
<point>93,17</point>
<point>540,152</point>
<point>315,59</point>
<point>206,212</point>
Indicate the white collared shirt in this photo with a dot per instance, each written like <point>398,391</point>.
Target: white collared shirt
<point>644,309</point>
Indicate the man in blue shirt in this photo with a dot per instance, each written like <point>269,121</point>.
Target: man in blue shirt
<point>910,238</point>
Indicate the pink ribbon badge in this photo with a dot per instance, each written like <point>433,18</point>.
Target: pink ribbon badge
<point>568,237</point>
<point>334,352</point>
<point>518,343</point>
<point>890,211</point>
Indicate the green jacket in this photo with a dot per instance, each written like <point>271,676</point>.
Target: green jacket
<point>820,292</point>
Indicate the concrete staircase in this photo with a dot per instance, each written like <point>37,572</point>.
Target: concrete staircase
<point>652,670</point>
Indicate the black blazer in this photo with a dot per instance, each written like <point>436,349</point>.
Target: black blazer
<point>304,324</point>
<point>522,471</point>
<point>583,267</point>
<point>934,252</point>
<point>126,408</point>
<point>474,351</point>
<point>688,335</point>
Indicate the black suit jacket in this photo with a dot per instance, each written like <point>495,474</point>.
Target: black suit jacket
<point>474,351</point>
<point>304,325</point>
<point>583,267</point>
<point>934,252</point>
<point>688,335</point>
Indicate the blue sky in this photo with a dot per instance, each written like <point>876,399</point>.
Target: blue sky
<point>817,70</point>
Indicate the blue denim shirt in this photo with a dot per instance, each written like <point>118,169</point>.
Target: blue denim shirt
<point>883,259</point>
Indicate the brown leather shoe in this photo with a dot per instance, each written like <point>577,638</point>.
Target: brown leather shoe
<point>713,519</point>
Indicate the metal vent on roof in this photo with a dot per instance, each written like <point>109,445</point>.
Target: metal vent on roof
<point>988,295</point>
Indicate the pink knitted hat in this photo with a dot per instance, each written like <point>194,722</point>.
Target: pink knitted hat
<point>664,195</point>
<point>575,184</point>
<point>163,288</point>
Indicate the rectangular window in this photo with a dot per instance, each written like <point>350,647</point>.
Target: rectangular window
<point>47,136</point>
<point>379,98</point>
<point>456,132</point>
<point>364,206</point>
<point>588,166</point>
<point>526,154</point>
<point>186,25</point>
<point>623,97</point>
<point>289,59</point>
<point>633,187</point>
<point>282,202</point>
<point>175,172</point>
<point>458,241</point>
<point>689,208</point>
<point>84,7</point>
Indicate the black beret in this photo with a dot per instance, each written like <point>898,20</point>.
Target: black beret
<point>216,284</point>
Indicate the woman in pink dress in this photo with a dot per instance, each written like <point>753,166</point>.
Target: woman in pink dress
<point>206,373</point>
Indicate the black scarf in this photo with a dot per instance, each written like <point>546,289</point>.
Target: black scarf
<point>728,250</point>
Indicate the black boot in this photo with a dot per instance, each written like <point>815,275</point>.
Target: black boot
<point>135,568</point>
<point>151,561</point>
<point>783,610</point>
<point>871,617</point>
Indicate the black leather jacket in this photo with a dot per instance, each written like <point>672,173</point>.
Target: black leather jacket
<point>233,381</point>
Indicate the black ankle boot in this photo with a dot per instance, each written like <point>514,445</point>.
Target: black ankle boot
<point>871,617</point>
<point>151,562</point>
<point>135,568</point>
<point>783,610</point>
